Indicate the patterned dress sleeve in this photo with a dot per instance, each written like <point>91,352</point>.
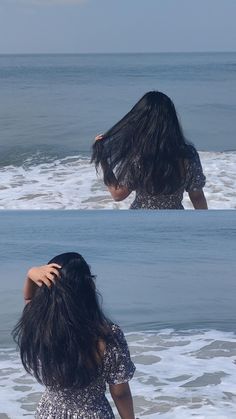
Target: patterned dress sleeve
<point>118,367</point>
<point>195,179</point>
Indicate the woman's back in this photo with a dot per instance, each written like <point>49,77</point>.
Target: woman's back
<point>193,180</point>
<point>116,368</point>
<point>68,344</point>
<point>146,152</point>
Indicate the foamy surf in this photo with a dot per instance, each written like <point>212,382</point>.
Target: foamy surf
<point>72,183</point>
<point>180,374</point>
<point>184,374</point>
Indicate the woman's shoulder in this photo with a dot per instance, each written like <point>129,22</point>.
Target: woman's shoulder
<point>116,338</point>
<point>192,158</point>
<point>118,367</point>
<point>191,152</point>
<point>195,178</point>
<point>116,331</point>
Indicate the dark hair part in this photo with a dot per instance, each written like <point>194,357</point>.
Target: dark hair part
<point>61,328</point>
<point>146,146</point>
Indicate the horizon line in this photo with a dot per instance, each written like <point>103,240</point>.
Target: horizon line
<point>119,53</point>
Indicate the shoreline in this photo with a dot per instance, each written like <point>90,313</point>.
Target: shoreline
<point>198,383</point>
<point>60,187</point>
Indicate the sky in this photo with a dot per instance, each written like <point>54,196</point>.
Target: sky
<point>85,26</point>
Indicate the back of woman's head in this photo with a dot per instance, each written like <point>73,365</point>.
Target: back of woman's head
<point>147,144</point>
<point>60,329</point>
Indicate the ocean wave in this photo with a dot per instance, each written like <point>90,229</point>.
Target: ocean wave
<point>184,374</point>
<point>72,183</point>
<point>178,374</point>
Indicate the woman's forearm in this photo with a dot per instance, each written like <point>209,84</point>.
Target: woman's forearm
<point>29,288</point>
<point>125,407</point>
<point>124,403</point>
<point>118,193</point>
<point>198,199</point>
<point>200,204</point>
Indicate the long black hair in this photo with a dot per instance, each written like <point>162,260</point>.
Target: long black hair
<point>147,147</point>
<point>61,329</point>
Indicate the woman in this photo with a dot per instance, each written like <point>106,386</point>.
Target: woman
<point>69,345</point>
<point>146,152</point>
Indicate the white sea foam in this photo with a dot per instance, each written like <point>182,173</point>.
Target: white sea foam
<point>183,375</point>
<point>179,375</point>
<point>72,183</point>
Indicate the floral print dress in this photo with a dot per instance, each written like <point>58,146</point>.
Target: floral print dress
<point>195,180</point>
<point>90,402</point>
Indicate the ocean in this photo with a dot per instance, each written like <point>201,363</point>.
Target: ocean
<point>166,278</point>
<point>52,106</point>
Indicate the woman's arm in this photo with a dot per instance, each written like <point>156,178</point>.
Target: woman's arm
<point>118,193</point>
<point>122,397</point>
<point>29,289</point>
<point>198,199</point>
<point>38,276</point>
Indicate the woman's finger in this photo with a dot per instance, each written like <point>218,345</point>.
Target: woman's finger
<point>47,282</point>
<point>99,137</point>
<point>54,265</point>
<point>51,277</point>
<point>55,272</point>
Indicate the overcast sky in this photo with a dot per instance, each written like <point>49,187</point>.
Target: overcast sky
<point>73,26</point>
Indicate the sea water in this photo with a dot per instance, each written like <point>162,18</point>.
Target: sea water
<point>167,279</point>
<point>52,106</point>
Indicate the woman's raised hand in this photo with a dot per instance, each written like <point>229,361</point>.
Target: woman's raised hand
<point>99,137</point>
<point>46,274</point>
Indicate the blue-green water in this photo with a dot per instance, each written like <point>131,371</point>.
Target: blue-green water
<point>55,104</point>
<point>154,269</point>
